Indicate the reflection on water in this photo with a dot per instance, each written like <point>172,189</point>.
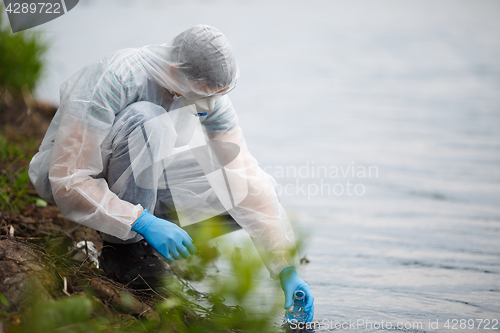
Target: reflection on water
<point>411,88</point>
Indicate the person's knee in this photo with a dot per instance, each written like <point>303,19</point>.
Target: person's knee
<point>133,118</point>
<point>140,112</point>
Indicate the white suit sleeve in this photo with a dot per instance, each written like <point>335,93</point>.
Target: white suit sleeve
<point>90,100</point>
<point>259,212</point>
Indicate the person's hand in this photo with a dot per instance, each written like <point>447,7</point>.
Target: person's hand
<point>290,281</point>
<point>166,237</point>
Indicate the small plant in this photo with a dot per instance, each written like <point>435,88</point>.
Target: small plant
<point>21,64</point>
<point>230,305</point>
<point>69,314</point>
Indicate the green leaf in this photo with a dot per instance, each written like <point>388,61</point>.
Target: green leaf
<point>22,180</point>
<point>4,300</point>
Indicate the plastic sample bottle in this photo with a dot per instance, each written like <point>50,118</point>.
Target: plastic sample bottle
<point>296,313</point>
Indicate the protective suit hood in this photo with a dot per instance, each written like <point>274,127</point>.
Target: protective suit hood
<point>197,63</point>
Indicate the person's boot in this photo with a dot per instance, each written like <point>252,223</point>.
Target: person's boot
<point>134,264</point>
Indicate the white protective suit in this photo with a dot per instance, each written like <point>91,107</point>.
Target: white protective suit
<point>70,167</point>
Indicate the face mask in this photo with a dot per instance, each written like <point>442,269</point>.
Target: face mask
<point>203,106</point>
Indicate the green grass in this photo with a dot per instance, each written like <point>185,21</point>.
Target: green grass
<point>9,151</point>
<point>14,192</point>
<point>14,179</point>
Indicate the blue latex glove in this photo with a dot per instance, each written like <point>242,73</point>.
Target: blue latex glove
<point>166,237</point>
<point>290,281</point>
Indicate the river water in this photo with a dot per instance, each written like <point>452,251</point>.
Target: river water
<point>380,120</point>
